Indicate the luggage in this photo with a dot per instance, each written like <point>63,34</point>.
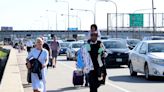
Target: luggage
<point>29,76</point>
<point>50,62</point>
<point>78,77</point>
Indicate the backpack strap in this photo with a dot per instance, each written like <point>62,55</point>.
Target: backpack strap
<point>39,54</point>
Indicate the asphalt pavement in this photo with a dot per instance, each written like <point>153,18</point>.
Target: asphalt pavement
<point>59,79</point>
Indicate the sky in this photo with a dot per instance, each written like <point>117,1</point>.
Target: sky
<point>32,14</point>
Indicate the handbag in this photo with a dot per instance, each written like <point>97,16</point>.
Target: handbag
<point>36,65</point>
<point>29,76</point>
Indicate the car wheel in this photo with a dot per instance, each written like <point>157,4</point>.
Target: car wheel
<point>132,72</point>
<point>68,58</point>
<point>147,76</point>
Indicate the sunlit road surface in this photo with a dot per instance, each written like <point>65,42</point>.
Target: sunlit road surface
<point>59,79</point>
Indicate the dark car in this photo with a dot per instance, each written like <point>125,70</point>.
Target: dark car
<point>132,43</point>
<point>63,47</point>
<point>118,52</point>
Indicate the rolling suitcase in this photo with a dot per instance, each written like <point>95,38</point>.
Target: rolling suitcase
<point>78,78</point>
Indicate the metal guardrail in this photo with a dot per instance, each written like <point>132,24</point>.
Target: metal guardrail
<point>121,33</point>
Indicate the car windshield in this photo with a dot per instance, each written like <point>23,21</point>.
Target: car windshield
<point>114,44</point>
<point>77,45</point>
<point>156,47</point>
<point>64,44</point>
<point>131,42</point>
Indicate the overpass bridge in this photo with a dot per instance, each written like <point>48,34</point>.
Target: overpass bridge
<point>63,33</point>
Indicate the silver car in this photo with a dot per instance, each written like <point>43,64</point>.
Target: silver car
<point>147,58</point>
<point>72,50</point>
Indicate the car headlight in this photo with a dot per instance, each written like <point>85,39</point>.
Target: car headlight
<point>157,61</point>
<point>127,52</point>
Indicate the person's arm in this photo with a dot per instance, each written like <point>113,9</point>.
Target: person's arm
<point>105,54</point>
<point>30,55</point>
<point>49,51</point>
<point>46,59</point>
<point>51,45</point>
<point>58,48</point>
<point>28,59</point>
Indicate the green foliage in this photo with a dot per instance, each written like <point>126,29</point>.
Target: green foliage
<point>3,54</point>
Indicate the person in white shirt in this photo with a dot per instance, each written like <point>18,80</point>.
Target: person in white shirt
<point>39,85</point>
<point>29,45</point>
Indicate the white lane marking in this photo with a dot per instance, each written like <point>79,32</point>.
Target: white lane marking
<point>107,82</point>
<point>115,86</point>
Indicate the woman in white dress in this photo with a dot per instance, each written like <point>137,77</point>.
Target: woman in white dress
<point>39,85</point>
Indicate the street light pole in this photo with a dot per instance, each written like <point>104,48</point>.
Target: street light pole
<point>48,22</point>
<point>76,17</point>
<point>116,18</point>
<point>107,23</point>
<point>86,11</point>
<point>68,11</point>
<point>56,18</point>
<point>141,10</point>
<point>154,29</point>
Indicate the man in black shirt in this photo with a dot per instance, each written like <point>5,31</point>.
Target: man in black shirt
<point>46,46</point>
<point>96,52</point>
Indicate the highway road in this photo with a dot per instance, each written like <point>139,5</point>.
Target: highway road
<point>59,79</point>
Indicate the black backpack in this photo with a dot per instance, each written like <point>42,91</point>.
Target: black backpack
<point>36,66</point>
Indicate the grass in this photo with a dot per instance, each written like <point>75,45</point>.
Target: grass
<point>3,54</point>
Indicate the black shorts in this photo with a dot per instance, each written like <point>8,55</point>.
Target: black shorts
<point>54,53</point>
<point>29,49</point>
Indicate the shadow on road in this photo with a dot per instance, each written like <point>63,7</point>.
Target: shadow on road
<point>64,60</point>
<point>66,89</point>
<point>137,79</point>
<point>116,67</point>
<point>26,85</point>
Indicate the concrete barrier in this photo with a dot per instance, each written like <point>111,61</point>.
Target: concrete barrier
<point>11,81</point>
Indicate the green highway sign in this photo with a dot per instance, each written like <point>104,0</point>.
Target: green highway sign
<point>136,20</point>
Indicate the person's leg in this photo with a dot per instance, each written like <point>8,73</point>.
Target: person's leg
<point>53,62</point>
<point>44,88</point>
<point>86,80</point>
<point>44,73</point>
<point>92,82</point>
<point>53,59</point>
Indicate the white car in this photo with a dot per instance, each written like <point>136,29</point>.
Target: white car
<point>72,50</point>
<point>147,58</point>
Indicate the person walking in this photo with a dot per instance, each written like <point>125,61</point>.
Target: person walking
<point>55,51</point>
<point>94,28</point>
<point>96,51</point>
<point>47,47</point>
<point>29,45</point>
<point>39,53</point>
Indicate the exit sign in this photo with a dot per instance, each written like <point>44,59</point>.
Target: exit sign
<point>136,20</point>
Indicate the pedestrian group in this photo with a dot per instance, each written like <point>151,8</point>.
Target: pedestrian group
<point>90,61</point>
